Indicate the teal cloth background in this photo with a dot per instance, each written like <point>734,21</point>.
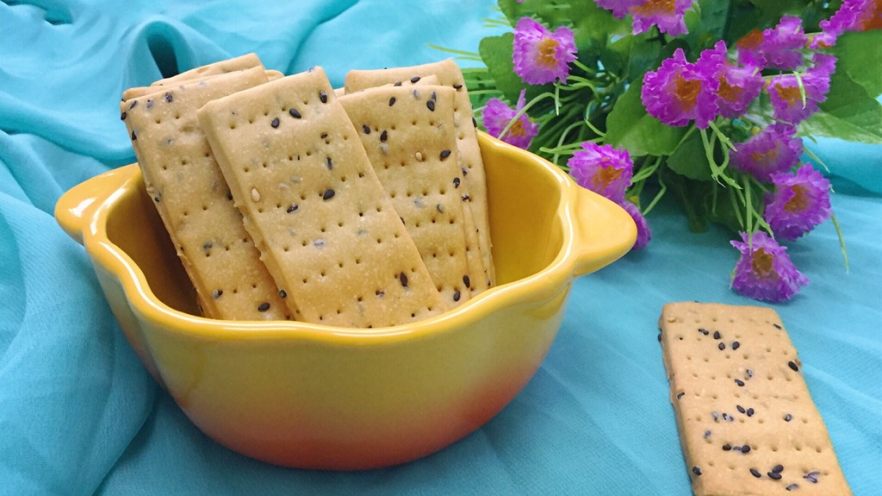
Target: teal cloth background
<point>78,414</point>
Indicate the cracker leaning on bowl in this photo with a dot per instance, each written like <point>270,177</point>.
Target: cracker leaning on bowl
<point>747,422</point>
<point>327,232</point>
<point>475,183</point>
<point>191,196</point>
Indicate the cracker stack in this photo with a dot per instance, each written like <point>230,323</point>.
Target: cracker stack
<point>193,200</point>
<point>747,422</point>
<point>411,144</point>
<point>310,199</point>
<point>364,212</point>
<point>475,185</point>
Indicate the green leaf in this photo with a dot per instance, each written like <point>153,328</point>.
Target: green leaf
<point>690,160</point>
<point>629,126</point>
<point>706,23</point>
<point>848,113</point>
<point>496,53</point>
<point>860,58</point>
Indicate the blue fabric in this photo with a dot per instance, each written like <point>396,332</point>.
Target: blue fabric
<point>78,414</point>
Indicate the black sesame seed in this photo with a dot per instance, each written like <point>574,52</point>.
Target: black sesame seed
<point>739,382</point>
<point>774,475</point>
<point>275,122</point>
<point>457,86</point>
<point>659,337</point>
<point>133,105</point>
<point>736,345</point>
<point>717,335</point>
<point>323,135</point>
<point>788,417</point>
<point>134,136</point>
<point>263,307</point>
<point>703,331</point>
<point>727,447</point>
<point>791,487</point>
<point>444,154</point>
<point>294,113</point>
<point>414,79</point>
<point>168,97</point>
<point>217,293</point>
<point>397,83</point>
<point>380,293</point>
<point>456,182</point>
<point>156,199</point>
<point>366,129</point>
<point>431,105</point>
<point>329,163</point>
<point>776,326</point>
<point>474,122</point>
<point>812,477</point>
<point>696,470</point>
<point>721,346</point>
<point>392,101</point>
<point>778,469</point>
<point>750,412</point>
<point>402,278</point>
<point>283,294</point>
<point>680,395</point>
<point>740,409</point>
<point>229,195</point>
<point>745,449</point>
<point>122,116</point>
<point>292,208</point>
<point>149,103</point>
<point>756,473</point>
<point>384,136</point>
<point>323,96</point>
<point>793,366</point>
<point>467,281</point>
<point>707,434</point>
<point>328,194</point>
<point>466,198</point>
<point>456,295</point>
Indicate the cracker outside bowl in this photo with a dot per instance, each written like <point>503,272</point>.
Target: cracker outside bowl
<point>321,397</point>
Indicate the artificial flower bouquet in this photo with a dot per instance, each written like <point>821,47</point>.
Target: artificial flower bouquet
<point>709,99</point>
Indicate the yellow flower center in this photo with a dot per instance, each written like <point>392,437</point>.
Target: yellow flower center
<point>656,7</point>
<point>872,17</point>
<point>517,129</point>
<point>789,94</point>
<point>547,53</point>
<point>606,175</point>
<point>686,91</point>
<point>767,157</point>
<point>761,263</point>
<point>798,202</point>
<point>727,91</point>
<point>751,40</point>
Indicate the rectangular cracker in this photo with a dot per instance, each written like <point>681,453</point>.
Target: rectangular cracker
<point>449,74</point>
<point>743,408</point>
<point>327,231</point>
<point>242,62</point>
<point>410,140</point>
<point>192,199</point>
<point>139,91</point>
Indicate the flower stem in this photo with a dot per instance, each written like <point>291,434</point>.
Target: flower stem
<point>522,111</point>
<point>718,171</point>
<point>663,188</point>
<point>839,234</point>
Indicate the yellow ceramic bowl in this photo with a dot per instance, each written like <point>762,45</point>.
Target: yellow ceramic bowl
<point>314,396</point>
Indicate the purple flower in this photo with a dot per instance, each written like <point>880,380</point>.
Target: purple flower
<point>666,14</point>
<point>750,51</point>
<point>781,45</point>
<point>618,7</point>
<point>497,115</point>
<point>853,15</point>
<point>786,96</point>
<point>800,202</point>
<point>644,233</point>
<point>679,91</point>
<point>602,169</point>
<point>739,86</point>
<point>764,271</point>
<point>775,149</point>
<point>541,56</point>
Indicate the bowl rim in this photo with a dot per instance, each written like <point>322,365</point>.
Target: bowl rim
<point>542,284</point>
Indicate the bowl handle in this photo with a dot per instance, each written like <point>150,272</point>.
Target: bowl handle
<point>604,231</point>
<point>73,208</point>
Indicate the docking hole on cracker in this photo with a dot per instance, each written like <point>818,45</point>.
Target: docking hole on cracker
<point>286,199</point>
